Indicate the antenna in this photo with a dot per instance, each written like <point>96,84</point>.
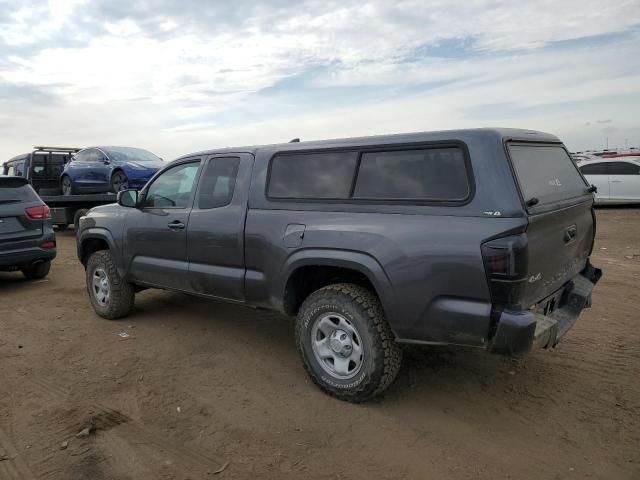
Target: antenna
<point>295,140</point>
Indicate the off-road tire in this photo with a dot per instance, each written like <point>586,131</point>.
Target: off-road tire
<point>362,308</point>
<point>122,295</point>
<point>37,271</point>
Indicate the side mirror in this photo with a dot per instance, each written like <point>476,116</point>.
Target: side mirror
<point>127,198</point>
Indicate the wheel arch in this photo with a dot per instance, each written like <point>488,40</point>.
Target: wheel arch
<point>328,267</point>
<point>93,240</point>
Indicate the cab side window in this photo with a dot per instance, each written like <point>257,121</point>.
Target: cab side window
<point>19,168</point>
<point>218,182</point>
<point>174,188</point>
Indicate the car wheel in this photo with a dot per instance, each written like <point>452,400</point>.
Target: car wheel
<point>119,181</point>
<point>39,270</point>
<point>346,344</point>
<point>67,186</point>
<point>110,296</point>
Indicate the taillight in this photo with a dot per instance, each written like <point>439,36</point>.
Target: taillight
<point>506,257</point>
<point>48,244</point>
<point>38,213</point>
<point>505,262</point>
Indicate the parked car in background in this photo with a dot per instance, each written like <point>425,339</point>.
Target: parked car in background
<point>108,169</point>
<point>478,238</point>
<point>27,240</point>
<point>42,168</point>
<point>617,179</point>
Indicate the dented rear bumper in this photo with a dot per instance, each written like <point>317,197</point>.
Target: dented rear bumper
<point>519,332</point>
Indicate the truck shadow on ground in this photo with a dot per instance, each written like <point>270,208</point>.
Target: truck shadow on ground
<point>12,281</point>
<point>426,371</point>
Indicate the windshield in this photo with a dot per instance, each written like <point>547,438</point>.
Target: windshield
<point>127,154</point>
<point>546,173</point>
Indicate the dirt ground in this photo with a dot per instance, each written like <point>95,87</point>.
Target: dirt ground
<point>202,389</point>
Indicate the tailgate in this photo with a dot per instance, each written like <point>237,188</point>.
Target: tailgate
<point>561,223</point>
<point>15,225</point>
<point>15,197</point>
<point>559,244</point>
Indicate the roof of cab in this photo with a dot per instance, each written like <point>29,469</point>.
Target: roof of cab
<point>499,134</point>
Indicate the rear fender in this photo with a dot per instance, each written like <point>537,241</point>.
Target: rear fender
<point>358,261</point>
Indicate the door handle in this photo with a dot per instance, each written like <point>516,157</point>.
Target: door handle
<point>570,234</point>
<point>176,225</point>
<point>616,181</point>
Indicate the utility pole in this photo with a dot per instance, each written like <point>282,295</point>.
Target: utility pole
<point>607,144</point>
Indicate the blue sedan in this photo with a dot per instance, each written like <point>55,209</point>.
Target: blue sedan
<point>108,169</point>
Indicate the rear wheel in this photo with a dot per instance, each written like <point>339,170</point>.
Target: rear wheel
<point>119,181</point>
<point>67,186</point>
<point>39,270</point>
<point>110,296</point>
<point>346,344</point>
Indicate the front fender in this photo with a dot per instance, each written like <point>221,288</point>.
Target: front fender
<point>98,233</point>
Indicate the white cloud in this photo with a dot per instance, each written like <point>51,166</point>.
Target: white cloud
<point>185,84</point>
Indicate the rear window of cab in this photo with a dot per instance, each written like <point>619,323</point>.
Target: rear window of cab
<point>407,175</point>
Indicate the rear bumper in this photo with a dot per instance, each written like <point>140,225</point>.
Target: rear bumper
<point>26,252</point>
<point>519,332</point>
<point>26,257</point>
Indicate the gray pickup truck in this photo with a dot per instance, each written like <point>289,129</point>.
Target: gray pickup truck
<point>478,238</point>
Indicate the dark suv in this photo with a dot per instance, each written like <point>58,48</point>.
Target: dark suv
<point>478,238</point>
<point>27,240</point>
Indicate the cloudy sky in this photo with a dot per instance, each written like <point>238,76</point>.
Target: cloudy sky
<point>179,76</point>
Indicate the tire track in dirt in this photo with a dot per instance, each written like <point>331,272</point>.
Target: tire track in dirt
<point>125,438</point>
<point>12,466</point>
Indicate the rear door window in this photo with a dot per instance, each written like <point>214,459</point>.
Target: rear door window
<point>438,174</point>
<point>218,182</point>
<point>595,169</point>
<point>623,168</point>
<point>546,173</point>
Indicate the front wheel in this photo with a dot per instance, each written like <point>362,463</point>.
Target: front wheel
<point>119,181</point>
<point>111,296</point>
<point>67,186</point>
<point>346,344</point>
